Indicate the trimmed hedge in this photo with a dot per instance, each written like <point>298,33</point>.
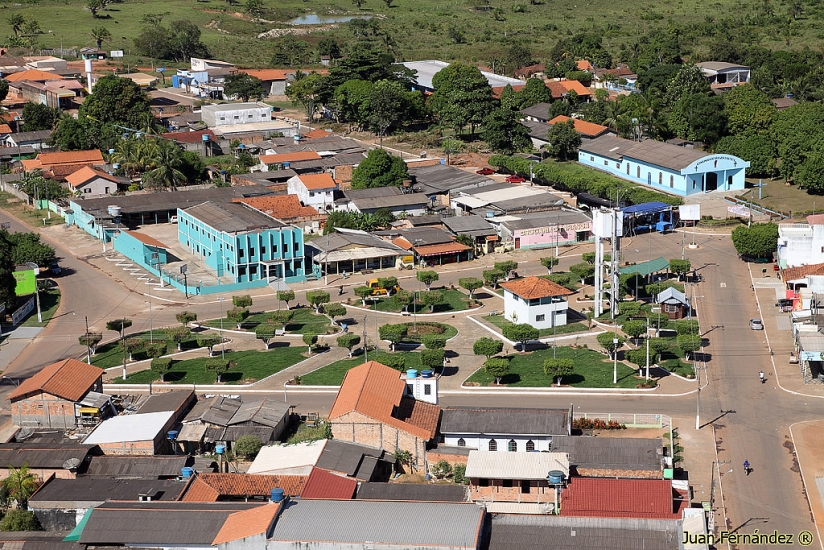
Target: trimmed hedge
<point>576,178</point>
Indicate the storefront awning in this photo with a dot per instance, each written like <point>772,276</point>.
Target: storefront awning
<point>440,249</point>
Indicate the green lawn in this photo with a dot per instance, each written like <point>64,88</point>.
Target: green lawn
<point>26,213</point>
<point>304,321</point>
<point>592,370</point>
<point>111,354</point>
<point>673,360</point>
<point>332,375</point>
<point>251,366</point>
<point>453,300</point>
<point>49,301</point>
<point>428,327</point>
<point>500,322</point>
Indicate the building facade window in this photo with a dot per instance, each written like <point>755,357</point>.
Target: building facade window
<point>493,445</point>
<point>427,390</point>
<point>530,446</point>
<point>638,171</point>
<point>512,446</point>
<point>461,442</point>
<point>672,180</point>
<point>660,178</point>
<point>540,318</point>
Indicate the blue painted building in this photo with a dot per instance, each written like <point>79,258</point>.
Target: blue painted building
<point>663,166</point>
<point>237,241</point>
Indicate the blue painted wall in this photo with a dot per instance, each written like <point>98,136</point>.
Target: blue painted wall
<point>237,255</point>
<point>711,173</point>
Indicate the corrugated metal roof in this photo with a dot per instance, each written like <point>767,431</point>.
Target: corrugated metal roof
<point>611,453</point>
<point>539,111</point>
<point>341,456</point>
<point>664,154</point>
<point>413,492</point>
<point>273,458</point>
<point>166,401</point>
<point>397,523</point>
<point>232,217</point>
<point>646,268</point>
<point>133,427</point>
<point>136,466</point>
<point>265,411</point>
<point>495,421</point>
<point>475,226</point>
<point>99,489</point>
<point>322,484</point>
<point>505,465</point>
<point>17,456</point>
<point>441,178</point>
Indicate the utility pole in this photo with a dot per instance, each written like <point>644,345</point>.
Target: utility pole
<point>222,342</point>
<point>326,260</point>
<point>365,346</point>
<point>88,347</point>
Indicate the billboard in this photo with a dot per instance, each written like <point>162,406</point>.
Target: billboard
<point>26,281</point>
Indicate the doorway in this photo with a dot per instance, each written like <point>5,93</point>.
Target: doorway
<point>711,183</point>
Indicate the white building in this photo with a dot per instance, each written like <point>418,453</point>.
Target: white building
<point>724,75</point>
<point>801,243</point>
<point>535,301</point>
<point>228,114</point>
<point>315,190</point>
<point>503,429</point>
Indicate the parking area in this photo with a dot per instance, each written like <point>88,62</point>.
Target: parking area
<point>179,255</point>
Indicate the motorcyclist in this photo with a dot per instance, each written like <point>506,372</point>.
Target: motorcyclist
<point>747,468</point>
<point>761,376</point>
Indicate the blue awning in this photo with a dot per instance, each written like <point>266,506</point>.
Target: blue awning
<point>646,208</point>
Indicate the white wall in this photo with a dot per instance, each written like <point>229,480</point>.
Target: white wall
<point>481,442</point>
<point>316,199</point>
<point>800,244</point>
<point>529,314</point>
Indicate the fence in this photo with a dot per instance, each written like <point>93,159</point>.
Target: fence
<point>629,419</point>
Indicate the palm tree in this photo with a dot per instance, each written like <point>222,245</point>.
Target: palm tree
<point>21,484</point>
<point>16,22</point>
<point>100,35</point>
<point>164,170</point>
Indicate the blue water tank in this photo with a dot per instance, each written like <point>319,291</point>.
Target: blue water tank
<point>426,374</point>
<point>556,476</point>
<point>277,495</point>
<point>412,373</point>
<point>204,137</point>
<point>172,434</point>
<point>443,161</point>
<point>286,165</point>
<point>220,449</point>
<point>187,472</point>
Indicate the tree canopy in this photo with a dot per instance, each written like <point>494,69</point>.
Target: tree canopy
<point>379,169</point>
<point>759,240</point>
<point>462,97</point>
<point>244,86</point>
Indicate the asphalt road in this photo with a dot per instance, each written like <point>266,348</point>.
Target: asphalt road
<point>754,426</point>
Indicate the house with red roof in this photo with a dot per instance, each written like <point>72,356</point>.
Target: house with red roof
<point>622,498</point>
<point>223,487</point>
<point>59,165</point>
<point>326,485</point>
<point>375,407</point>
<point>562,88</point>
<point>55,396</point>
<point>89,182</point>
<point>288,209</point>
<point>587,130</point>
<point>274,80</point>
<point>535,301</point>
<point>315,190</point>
<point>199,141</point>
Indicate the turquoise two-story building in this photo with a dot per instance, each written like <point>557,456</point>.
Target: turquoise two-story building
<point>664,166</point>
<point>242,243</point>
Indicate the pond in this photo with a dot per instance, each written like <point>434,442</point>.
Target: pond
<point>315,19</point>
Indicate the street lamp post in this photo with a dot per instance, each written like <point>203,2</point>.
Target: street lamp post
<point>88,347</point>
<point>615,359</point>
<point>647,339</point>
<point>222,342</point>
<point>365,345</point>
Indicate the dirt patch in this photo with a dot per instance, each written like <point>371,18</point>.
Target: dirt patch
<point>297,31</point>
<point>410,478</point>
<point>631,432</point>
<point>423,330</point>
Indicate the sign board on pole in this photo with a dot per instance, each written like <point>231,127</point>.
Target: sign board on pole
<point>116,53</point>
<point>26,282</point>
<point>741,211</point>
<point>690,212</point>
<point>160,70</point>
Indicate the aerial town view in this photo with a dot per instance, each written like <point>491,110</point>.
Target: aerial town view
<point>411,275</point>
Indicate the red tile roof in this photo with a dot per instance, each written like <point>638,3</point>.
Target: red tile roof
<point>587,129</point>
<point>560,88</point>
<point>530,70</point>
<point>324,484</point>
<point>816,219</point>
<point>535,287</point>
<point>496,90</point>
<point>439,249</point>
<point>282,207</point>
<point>795,273</point>
<point>266,74</point>
<point>211,487</point>
<point>289,157</point>
<point>69,379</point>
<point>621,498</point>
<point>190,137</point>
<point>5,129</point>
<point>247,523</point>
<point>584,65</point>
<point>71,157</point>
<point>33,75</point>
<point>377,391</point>
<point>318,181</point>
<point>79,177</point>
<point>317,134</point>
<point>146,239</point>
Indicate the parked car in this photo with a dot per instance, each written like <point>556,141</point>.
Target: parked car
<point>485,171</point>
<point>55,269</point>
<point>756,324</point>
<point>515,179</point>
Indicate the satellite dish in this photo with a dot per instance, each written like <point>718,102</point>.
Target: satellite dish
<point>24,434</point>
<point>71,464</point>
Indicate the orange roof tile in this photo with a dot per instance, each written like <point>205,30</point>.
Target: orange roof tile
<point>439,249</point>
<point>535,287</point>
<point>289,157</point>
<point>403,243</point>
<point>795,273</point>
<point>8,116</point>
<point>815,219</point>
<point>497,90</point>
<point>146,239</point>
<point>377,391</point>
<point>210,487</point>
<point>33,75</point>
<point>318,181</point>
<point>69,379</point>
<point>589,129</point>
<point>5,129</point>
<point>316,134</point>
<point>282,207</point>
<point>31,164</point>
<point>266,74</point>
<point>62,171</point>
<point>621,498</point>
<point>584,65</point>
<point>247,523</point>
<point>85,174</point>
<point>71,157</point>
<point>560,88</point>
<point>324,484</point>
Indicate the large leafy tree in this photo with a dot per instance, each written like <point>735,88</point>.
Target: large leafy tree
<point>462,96</point>
<point>535,91</point>
<point>70,135</point>
<point>379,169</point>
<point>563,139</point>
<point>387,106</point>
<point>37,116</point>
<point>504,133</point>
<point>810,175</point>
<point>304,91</point>
<point>364,61</point>
<point>244,86</point>
<point>351,101</point>
<point>795,133</point>
<point>100,34</point>
<point>759,240</point>
<point>179,42</point>
<point>757,149</point>
<point>748,110</point>
<point>27,247</point>
<point>114,101</point>
<point>698,116</point>
<point>687,81</point>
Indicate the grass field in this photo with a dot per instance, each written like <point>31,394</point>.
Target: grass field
<point>49,302</point>
<point>111,354</point>
<point>453,300</point>
<point>785,198</point>
<point>332,374</point>
<point>251,366</point>
<point>305,321</point>
<point>422,29</point>
<point>500,322</point>
<point>27,214</point>
<point>592,370</point>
